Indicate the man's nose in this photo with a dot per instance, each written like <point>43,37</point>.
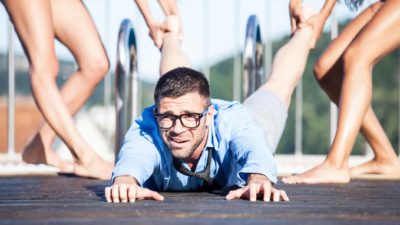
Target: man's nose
<point>178,127</point>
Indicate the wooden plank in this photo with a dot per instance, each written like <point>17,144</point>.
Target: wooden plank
<point>73,200</point>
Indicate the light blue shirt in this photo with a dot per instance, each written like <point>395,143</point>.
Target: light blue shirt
<point>239,149</point>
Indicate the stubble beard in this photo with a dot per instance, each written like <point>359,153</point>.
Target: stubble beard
<point>187,154</point>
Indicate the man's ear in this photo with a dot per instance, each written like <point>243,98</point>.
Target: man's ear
<point>210,115</point>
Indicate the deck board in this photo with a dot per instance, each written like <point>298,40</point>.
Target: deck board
<point>74,200</point>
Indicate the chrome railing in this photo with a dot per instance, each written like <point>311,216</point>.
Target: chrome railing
<point>11,92</point>
<point>126,82</point>
<point>253,61</point>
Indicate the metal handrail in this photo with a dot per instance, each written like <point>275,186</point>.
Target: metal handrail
<point>253,58</point>
<point>11,92</point>
<point>126,81</point>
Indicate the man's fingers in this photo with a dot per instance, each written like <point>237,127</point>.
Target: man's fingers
<point>235,194</point>
<point>284,195</point>
<point>115,193</point>
<point>276,195</point>
<point>267,192</point>
<point>123,193</point>
<point>107,194</point>
<point>132,193</point>
<point>157,196</point>
<point>254,188</point>
<point>144,193</point>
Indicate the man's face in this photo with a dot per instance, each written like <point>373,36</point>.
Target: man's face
<point>184,142</point>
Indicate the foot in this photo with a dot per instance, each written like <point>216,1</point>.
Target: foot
<point>389,168</point>
<point>321,174</point>
<point>95,168</point>
<point>36,152</point>
<point>307,13</point>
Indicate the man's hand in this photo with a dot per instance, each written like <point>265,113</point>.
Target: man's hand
<point>259,186</point>
<point>126,189</point>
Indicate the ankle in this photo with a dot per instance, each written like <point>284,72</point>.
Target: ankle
<point>336,164</point>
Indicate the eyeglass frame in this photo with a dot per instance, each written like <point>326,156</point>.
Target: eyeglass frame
<point>176,117</point>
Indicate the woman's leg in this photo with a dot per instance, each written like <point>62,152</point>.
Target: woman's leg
<point>75,29</point>
<point>329,72</point>
<point>45,91</point>
<point>34,26</point>
<point>373,42</point>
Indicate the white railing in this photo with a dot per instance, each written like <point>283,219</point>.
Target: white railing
<point>11,93</point>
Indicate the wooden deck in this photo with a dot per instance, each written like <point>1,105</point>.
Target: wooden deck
<point>73,200</point>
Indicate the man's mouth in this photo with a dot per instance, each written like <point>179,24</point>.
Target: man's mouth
<point>177,141</point>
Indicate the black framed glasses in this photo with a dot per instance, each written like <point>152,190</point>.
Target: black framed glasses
<point>188,120</point>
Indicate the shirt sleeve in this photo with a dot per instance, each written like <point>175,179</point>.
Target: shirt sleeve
<point>249,147</point>
<point>138,156</point>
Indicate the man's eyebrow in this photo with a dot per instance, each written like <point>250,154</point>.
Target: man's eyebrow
<point>184,112</point>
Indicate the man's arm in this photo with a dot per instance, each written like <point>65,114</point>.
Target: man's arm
<point>258,186</point>
<point>257,168</point>
<point>137,161</point>
<point>127,189</point>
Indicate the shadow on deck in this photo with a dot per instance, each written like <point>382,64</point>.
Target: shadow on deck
<point>74,200</point>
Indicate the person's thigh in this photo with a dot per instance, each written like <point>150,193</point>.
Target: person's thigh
<point>270,113</point>
<point>338,46</point>
<point>34,26</point>
<point>379,37</point>
<point>75,28</point>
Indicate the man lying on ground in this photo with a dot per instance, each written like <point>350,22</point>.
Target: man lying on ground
<point>189,142</point>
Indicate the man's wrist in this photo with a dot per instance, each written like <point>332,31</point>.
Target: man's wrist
<point>126,179</point>
<point>252,177</point>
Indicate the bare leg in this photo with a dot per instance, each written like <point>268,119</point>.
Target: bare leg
<point>171,52</point>
<point>93,65</point>
<point>373,42</point>
<point>37,35</point>
<point>285,74</point>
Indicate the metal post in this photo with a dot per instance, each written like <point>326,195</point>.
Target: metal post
<point>11,92</point>
<point>253,58</point>
<point>236,65</point>
<point>206,66</point>
<point>267,41</point>
<point>298,142</point>
<point>126,80</point>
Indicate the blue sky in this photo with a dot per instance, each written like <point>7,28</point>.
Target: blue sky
<point>223,35</point>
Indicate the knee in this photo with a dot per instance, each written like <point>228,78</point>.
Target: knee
<point>43,71</point>
<point>354,59</point>
<point>95,68</point>
<point>321,68</point>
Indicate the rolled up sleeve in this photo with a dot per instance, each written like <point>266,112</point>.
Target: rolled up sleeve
<point>138,156</point>
<point>250,148</point>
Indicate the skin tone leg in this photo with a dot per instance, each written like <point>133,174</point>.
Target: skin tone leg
<point>329,72</point>
<point>93,65</point>
<point>171,52</point>
<point>373,42</point>
<point>285,75</point>
<point>37,35</point>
